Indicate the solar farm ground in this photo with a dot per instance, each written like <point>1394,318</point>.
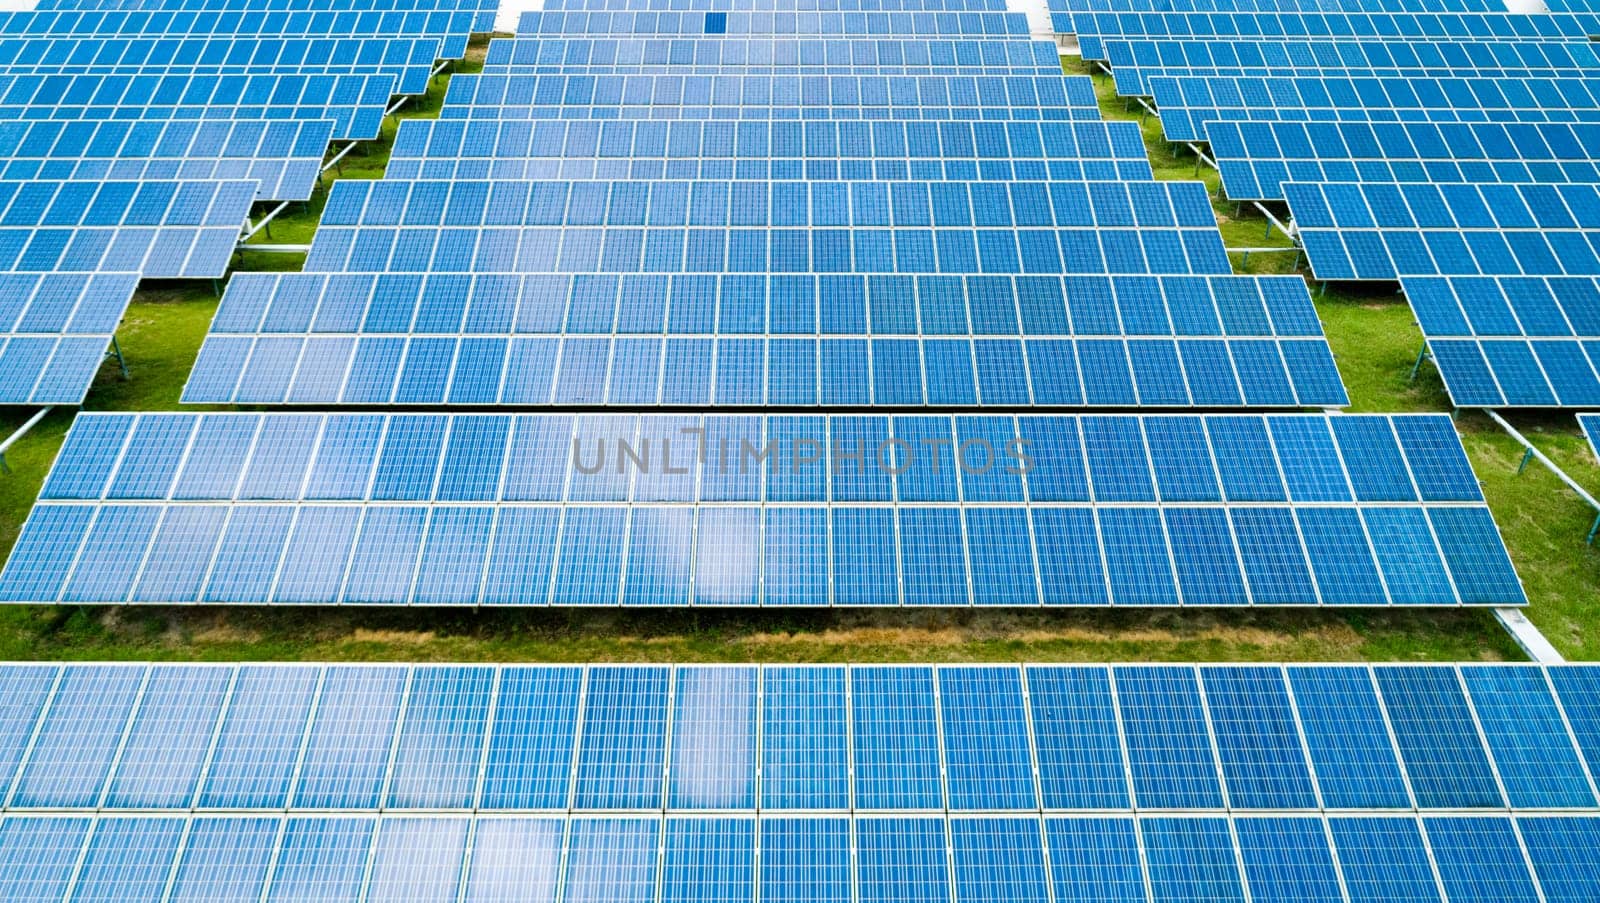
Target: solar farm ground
<point>1374,338</point>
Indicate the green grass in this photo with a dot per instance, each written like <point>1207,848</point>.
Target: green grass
<point>1375,341</point>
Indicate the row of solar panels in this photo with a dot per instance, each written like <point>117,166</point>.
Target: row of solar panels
<point>800,859</point>
<point>812,24</point>
<point>817,739</point>
<point>173,97</point>
<point>1098,510</point>
<point>525,139</point>
<point>362,338</point>
<point>1135,63</point>
<point>1095,29</point>
<point>1467,185</point>
<point>557,54</point>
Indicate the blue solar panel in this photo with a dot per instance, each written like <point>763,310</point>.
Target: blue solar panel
<point>54,332</point>
<point>452,29</point>
<point>160,228</point>
<point>817,150</point>
<point>410,61</point>
<point>1188,103</point>
<point>1386,231</point>
<point>904,24</point>
<point>1287,859</point>
<point>282,156</point>
<point>1383,859</point>
<point>1134,62</point>
<point>1256,159</point>
<point>793,340</point>
<point>355,103</point>
<point>1095,28</point>
<point>432,841</point>
<point>129,485</point>
<point>1479,859</point>
<point>889,55</point>
<point>1191,859</point>
<point>1512,341</point>
<point>1437,735</point>
<point>1262,754</point>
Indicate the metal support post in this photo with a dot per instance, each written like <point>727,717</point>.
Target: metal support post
<point>1416,368</point>
<point>27,425</point>
<point>116,351</point>
<point>1531,450</point>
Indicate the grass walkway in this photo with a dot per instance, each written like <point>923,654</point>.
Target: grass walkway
<point>1374,339</point>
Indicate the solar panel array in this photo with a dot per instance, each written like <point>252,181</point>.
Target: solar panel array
<point>1134,62</point>
<point>710,226</point>
<point>1452,152</point>
<point>1257,159</point>
<point>135,139</point>
<point>188,782</point>
<point>890,210</point>
<point>761,510</point>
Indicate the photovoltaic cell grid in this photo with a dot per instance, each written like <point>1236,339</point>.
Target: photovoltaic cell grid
<point>730,341</point>
<point>815,150</point>
<point>283,157</point>
<point>1390,740</point>
<point>716,227</point>
<point>770,97</point>
<point>54,331</point>
<point>160,229</point>
<point>874,783</point>
<point>1072,16</point>
<point>761,510</point>
<point>451,29</point>
<point>1256,159</point>
<point>355,103</point>
<point>1132,62</point>
<point>1385,231</point>
<point>482,22</point>
<point>408,60</point>
<point>1512,341</point>
<point>882,56</point>
<point>781,22</point>
<point>1187,103</point>
<point>689,858</point>
<point>1094,29</point>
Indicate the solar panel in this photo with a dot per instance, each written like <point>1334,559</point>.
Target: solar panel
<point>739,96</point>
<point>451,29</point>
<point>1067,16</point>
<point>1133,63</point>
<point>67,825</point>
<point>161,229</point>
<point>814,150</point>
<point>282,157</point>
<point>1187,104</point>
<point>410,61</point>
<point>1385,231</point>
<point>1517,341</point>
<point>783,5</point>
<point>1256,159</point>
<point>905,24</point>
<point>355,103</point>
<point>54,331</point>
<point>1064,510</point>
<point>890,55</point>
<point>483,21</point>
<point>1094,28</point>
